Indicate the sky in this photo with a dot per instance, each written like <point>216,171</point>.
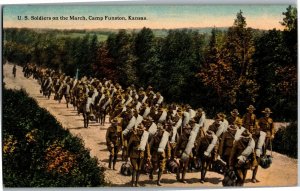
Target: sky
<point>158,16</point>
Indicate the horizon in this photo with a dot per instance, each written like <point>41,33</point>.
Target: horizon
<point>264,17</point>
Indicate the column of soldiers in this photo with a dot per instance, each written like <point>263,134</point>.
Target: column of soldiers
<point>152,134</point>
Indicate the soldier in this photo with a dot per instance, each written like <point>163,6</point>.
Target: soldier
<point>114,141</point>
<point>205,143</point>
<point>227,140</point>
<point>87,109</point>
<point>241,156</point>
<point>249,119</point>
<point>160,151</point>
<point>234,117</point>
<point>138,149</point>
<point>180,152</point>
<point>266,125</point>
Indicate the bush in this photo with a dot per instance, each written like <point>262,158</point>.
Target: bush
<point>38,152</point>
<point>286,140</point>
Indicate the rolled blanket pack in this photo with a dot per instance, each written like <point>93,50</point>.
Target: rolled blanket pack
<point>152,129</point>
<point>175,128</point>
<point>211,145</point>
<point>163,142</point>
<point>190,145</point>
<point>160,100</point>
<point>138,106</point>
<point>248,150</point>
<point>196,128</point>
<point>238,133</point>
<point>162,117</point>
<point>186,118</point>
<point>139,120</point>
<point>144,141</point>
<point>129,126</point>
<point>260,143</point>
<point>202,120</point>
<point>146,112</point>
<point>192,113</point>
<point>106,103</point>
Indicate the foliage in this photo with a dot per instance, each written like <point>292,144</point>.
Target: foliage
<point>229,68</point>
<point>38,152</point>
<point>286,140</point>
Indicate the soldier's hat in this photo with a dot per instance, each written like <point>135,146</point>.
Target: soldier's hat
<point>179,110</point>
<point>235,111</point>
<point>188,106</point>
<point>157,93</point>
<point>160,126</point>
<point>199,110</point>
<point>251,107</point>
<point>141,126</point>
<point>114,121</point>
<point>267,110</point>
<point>220,116</point>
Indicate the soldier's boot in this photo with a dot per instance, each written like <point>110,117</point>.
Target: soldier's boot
<point>110,160</point>
<point>254,180</point>
<point>151,174</point>
<point>114,162</point>
<point>133,178</point>
<point>202,176</point>
<point>178,174</point>
<point>137,179</point>
<point>183,176</point>
<point>159,177</point>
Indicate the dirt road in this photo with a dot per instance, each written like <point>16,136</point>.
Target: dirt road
<point>283,171</point>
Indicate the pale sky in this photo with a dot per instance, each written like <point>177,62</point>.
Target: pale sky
<point>158,16</point>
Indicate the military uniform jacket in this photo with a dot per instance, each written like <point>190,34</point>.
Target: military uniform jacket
<point>249,120</point>
<point>267,125</point>
<point>133,146</point>
<point>227,141</point>
<point>114,136</point>
<point>203,141</point>
<point>181,144</point>
<point>154,144</point>
<point>231,120</point>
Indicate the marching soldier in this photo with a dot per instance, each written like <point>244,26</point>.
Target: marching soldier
<point>249,119</point>
<point>266,125</point>
<point>234,117</point>
<point>180,152</point>
<point>206,142</point>
<point>114,141</point>
<point>241,156</point>
<point>160,151</point>
<point>138,149</point>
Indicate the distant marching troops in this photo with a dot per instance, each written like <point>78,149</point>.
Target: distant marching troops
<point>151,134</point>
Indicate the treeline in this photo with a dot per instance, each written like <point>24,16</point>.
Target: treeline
<point>218,71</point>
<point>38,152</point>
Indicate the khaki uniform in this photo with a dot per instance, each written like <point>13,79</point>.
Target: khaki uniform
<point>114,139</point>
<point>266,125</point>
<point>249,120</point>
<point>231,119</point>
<point>226,143</point>
<point>240,170</point>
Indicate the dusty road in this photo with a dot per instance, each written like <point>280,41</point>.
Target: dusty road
<point>283,171</point>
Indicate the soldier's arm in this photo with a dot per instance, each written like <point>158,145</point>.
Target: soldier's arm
<point>168,151</point>
<point>272,129</point>
<point>221,145</point>
<point>148,154</point>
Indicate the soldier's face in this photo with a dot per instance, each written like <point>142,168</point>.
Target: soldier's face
<point>187,131</point>
<point>250,111</point>
<point>267,114</point>
<point>140,131</point>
